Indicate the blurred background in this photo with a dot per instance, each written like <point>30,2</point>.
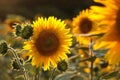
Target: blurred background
<point>21,11</point>
<point>30,8</point>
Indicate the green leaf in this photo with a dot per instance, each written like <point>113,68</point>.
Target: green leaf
<point>100,53</point>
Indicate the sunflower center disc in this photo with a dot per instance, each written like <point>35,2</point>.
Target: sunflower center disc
<point>86,25</point>
<point>47,43</point>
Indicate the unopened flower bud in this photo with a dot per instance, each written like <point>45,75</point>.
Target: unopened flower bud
<point>62,66</point>
<point>18,29</point>
<point>27,32</point>
<point>3,47</point>
<point>96,69</point>
<point>15,65</point>
<point>103,64</point>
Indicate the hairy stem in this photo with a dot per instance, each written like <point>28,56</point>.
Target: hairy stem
<point>19,63</point>
<point>91,64</point>
<point>52,74</point>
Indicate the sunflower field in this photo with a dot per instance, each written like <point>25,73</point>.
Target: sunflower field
<point>60,40</point>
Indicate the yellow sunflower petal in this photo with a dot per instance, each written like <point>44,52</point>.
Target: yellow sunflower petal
<point>113,55</point>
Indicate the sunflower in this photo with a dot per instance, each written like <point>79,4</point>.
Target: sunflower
<point>50,42</point>
<point>111,17</point>
<point>85,23</point>
<point>10,22</point>
<point>111,13</point>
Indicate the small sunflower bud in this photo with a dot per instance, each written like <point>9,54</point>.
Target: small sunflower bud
<point>27,32</point>
<point>18,29</point>
<point>15,65</point>
<point>62,66</point>
<point>103,64</point>
<point>3,47</point>
<point>95,69</point>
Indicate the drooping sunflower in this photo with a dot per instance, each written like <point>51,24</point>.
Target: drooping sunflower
<point>50,42</point>
<point>85,23</point>
<point>11,20</point>
<point>111,13</point>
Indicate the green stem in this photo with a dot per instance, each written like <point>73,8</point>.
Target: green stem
<point>91,65</point>
<point>19,63</point>
<point>73,57</point>
<point>38,74</point>
<point>91,70</point>
<point>52,74</point>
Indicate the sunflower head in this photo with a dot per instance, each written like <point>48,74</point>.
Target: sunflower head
<point>49,43</point>
<point>111,39</point>
<point>82,23</point>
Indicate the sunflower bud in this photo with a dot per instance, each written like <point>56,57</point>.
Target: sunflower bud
<point>62,66</point>
<point>3,47</point>
<point>15,65</point>
<point>18,29</point>
<point>103,64</point>
<point>96,69</point>
<point>27,32</point>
